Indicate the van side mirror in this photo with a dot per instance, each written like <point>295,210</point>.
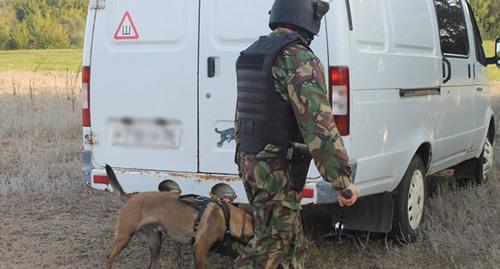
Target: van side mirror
<point>495,59</point>
<point>497,52</point>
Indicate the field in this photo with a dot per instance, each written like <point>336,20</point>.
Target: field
<point>49,219</point>
<point>46,60</point>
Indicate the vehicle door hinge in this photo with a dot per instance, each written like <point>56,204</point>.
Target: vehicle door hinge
<point>90,139</point>
<point>97,4</point>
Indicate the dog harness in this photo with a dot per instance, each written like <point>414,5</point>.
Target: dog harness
<point>200,203</point>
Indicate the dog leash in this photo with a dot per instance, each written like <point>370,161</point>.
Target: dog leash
<point>339,227</point>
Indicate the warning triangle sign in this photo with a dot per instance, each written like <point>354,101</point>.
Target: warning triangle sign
<point>126,29</point>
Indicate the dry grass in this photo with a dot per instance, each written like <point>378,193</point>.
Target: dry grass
<point>49,220</point>
<point>39,131</point>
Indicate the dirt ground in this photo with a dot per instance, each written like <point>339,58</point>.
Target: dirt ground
<point>49,219</point>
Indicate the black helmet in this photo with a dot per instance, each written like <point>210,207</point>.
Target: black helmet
<point>303,15</point>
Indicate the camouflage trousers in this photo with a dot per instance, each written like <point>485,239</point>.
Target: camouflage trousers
<point>279,239</point>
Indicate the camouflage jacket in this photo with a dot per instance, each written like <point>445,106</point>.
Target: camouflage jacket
<point>300,79</point>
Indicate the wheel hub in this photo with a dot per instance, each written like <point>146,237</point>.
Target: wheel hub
<point>487,159</point>
<point>416,199</point>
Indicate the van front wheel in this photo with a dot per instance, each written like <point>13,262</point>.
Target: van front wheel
<point>487,161</point>
<point>409,202</point>
<point>476,170</point>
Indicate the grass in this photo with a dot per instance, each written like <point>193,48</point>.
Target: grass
<point>493,70</point>
<point>44,60</point>
<point>50,220</point>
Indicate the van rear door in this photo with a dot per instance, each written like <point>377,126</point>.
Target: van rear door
<point>226,28</point>
<point>143,89</point>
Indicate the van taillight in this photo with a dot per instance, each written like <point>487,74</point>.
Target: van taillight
<point>339,97</point>
<point>101,180</point>
<point>307,193</point>
<point>86,96</point>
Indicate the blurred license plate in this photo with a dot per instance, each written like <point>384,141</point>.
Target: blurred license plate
<point>146,134</point>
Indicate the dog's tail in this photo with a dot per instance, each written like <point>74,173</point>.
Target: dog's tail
<point>115,184</point>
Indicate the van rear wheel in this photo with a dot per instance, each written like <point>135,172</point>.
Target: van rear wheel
<point>410,199</point>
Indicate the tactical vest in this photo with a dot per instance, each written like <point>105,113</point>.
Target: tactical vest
<point>264,117</point>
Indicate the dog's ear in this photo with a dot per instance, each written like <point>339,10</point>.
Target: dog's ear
<point>248,227</point>
<point>238,221</point>
<point>235,221</point>
<point>241,223</point>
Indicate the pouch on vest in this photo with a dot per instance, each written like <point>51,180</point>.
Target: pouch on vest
<point>299,166</point>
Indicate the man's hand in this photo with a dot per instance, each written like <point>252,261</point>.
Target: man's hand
<point>343,201</point>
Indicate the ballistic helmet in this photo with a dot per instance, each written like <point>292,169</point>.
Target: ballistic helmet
<point>302,15</point>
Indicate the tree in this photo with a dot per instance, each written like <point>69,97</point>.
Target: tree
<point>38,24</point>
<point>487,14</point>
<point>4,35</point>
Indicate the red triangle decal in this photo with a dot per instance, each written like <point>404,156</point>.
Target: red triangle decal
<point>126,30</point>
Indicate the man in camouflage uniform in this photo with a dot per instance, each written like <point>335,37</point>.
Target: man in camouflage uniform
<point>297,84</point>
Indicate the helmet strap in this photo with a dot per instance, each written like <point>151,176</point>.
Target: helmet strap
<point>306,37</point>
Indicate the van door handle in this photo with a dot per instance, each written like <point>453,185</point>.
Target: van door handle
<point>479,89</point>
<point>211,67</point>
<point>446,71</point>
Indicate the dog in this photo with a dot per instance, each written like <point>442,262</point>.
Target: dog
<point>194,220</point>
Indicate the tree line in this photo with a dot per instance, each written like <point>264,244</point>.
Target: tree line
<point>42,24</point>
<point>50,24</point>
<point>487,13</point>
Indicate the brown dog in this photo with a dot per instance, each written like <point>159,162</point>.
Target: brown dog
<point>155,212</point>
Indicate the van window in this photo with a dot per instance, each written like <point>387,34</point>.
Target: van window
<point>452,29</point>
<point>478,40</point>
<point>418,40</point>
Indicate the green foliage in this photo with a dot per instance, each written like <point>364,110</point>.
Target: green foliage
<point>487,14</point>
<point>42,24</point>
<point>20,36</point>
<point>4,35</point>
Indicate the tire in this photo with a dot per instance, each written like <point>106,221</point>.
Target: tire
<point>410,199</point>
<point>476,170</point>
<point>486,163</point>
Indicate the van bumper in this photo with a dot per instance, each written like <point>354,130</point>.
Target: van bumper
<point>134,180</point>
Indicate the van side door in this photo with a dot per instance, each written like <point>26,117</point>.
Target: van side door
<point>481,86</point>
<point>457,97</point>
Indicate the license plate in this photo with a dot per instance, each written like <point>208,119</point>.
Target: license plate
<point>152,134</point>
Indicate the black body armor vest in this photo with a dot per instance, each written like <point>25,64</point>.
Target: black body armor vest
<point>264,116</point>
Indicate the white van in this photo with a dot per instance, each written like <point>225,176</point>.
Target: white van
<point>160,92</point>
